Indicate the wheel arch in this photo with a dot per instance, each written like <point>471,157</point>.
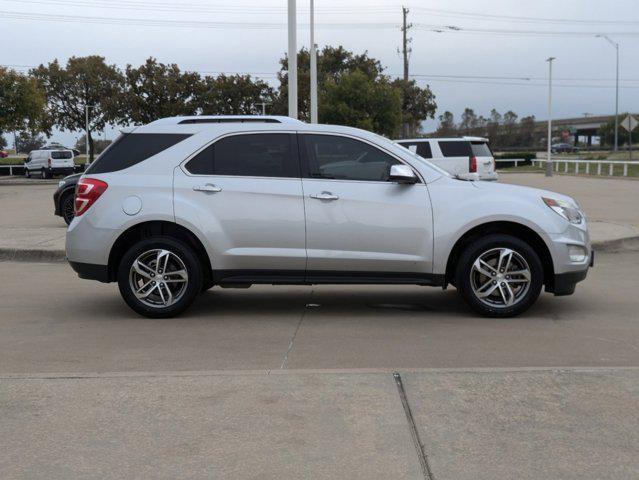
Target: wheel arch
<point>515,229</point>
<point>148,229</point>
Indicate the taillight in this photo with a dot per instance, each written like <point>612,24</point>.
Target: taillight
<point>87,192</point>
<point>472,164</point>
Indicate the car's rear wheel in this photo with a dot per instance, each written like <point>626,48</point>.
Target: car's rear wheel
<point>159,277</point>
<point>67,208</point>
<point>499,275</point>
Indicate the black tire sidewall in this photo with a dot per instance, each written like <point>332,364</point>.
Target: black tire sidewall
<point>179,248</point>
<point>67,198</point>
<point>481,245</point>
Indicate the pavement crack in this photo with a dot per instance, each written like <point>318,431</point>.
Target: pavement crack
<point>297,329</point>
<point>414,433</point>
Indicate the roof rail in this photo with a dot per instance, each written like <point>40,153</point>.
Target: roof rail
<point>228,120</point>
<point>213,119</point>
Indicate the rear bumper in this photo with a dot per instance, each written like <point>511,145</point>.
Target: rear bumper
<point>62,170</point>
<point>89,271</point>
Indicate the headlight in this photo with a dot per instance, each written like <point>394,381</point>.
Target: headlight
<point>61,183</point>
<point>565,209</point>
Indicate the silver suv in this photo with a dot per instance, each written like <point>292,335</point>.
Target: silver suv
<point>182,204</point>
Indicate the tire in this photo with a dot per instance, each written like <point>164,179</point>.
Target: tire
<point>180,257</point>
<point>67,208</point>
<point>511,291</point>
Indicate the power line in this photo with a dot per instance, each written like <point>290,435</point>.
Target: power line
<point>497,31</point>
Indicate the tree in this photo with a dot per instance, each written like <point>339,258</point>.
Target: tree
<point>22,103</point>
<point>446,127</point>
<point>509,129</point>
<point>85,81</point>
<point>234,95</point>
<point>3,141</point>
<point>99,145</point>
<point>155,90</point>
<point>468,121</point>
<point>607,132</point>
<point>359,101</point>
<point>418,104</point>
<point>27,141</point>
<point>492,128</point>
<point>526,131</point>
<point>336,64</point>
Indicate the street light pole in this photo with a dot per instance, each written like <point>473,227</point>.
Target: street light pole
<point>616,45</point>
<point>313,53</point>
<point>549,164</point>
<point>292,59</point>
<point>86,134</point>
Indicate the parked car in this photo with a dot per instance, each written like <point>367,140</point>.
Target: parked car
<point>48,163</point>
<point>182,204</point>
<point>563,148</point>
<point>458,156</point>
<point>63,197</point>
<point>3,154</point>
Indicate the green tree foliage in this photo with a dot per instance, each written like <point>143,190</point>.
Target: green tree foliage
<point>27,141</point>
<point>468,121</point>
<point>99,145</point>
<point>155,90</point>
<point>336,64</point>
<point>418,104</point>
<point>607,132</point>
<point>83,81</point>
<point>233,95</point>
<point>22,103</point>
<point>446,127</point>
<point>358,101</point>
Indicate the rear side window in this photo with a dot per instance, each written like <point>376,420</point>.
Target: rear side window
<point>132,148</point>
<point>253,155</point>
<point>420,148</point>
<point>455,148</point>
<point>481,149</point>
<point>63,155</point>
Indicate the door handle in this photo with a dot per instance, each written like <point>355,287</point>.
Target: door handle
<point>325,196</point>
<point>207,188</point>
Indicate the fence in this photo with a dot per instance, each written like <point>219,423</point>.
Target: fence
<point>580,165</point>
<point>589,164</point>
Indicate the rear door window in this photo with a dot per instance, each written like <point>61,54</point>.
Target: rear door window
<point>455,148</point>
<point>61,155</point>
<point>132,148</point>
<point>481,149</point>
<point>251,155</point>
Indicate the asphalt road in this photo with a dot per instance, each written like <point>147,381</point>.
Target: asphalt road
<point>51,321</point>
<point>296,382</point>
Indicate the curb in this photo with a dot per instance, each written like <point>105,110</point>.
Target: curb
<point>628,244</point>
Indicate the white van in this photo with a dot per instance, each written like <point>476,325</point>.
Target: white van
<point>48,163</point>
<point>457,156</point>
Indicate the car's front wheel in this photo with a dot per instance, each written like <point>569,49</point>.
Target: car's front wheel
<point>159,277</point>
<point>499,275</point>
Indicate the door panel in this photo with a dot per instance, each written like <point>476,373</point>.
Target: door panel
<point>371,226</point>
<point>251,221</point>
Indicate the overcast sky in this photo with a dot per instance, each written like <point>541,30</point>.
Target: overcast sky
<point>249,36</point>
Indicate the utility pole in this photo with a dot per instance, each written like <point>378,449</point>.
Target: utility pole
<point>263,105</point>
<point>549,164</point>
<point>86,134</point>
<point>292,59</point>
<point>616,45</point>
<point>405,53</point>
<point>313,54</point>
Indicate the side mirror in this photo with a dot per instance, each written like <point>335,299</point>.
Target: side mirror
<point>402,174</point>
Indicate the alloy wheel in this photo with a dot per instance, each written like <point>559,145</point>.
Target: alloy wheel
<point>158,278</point>
<point>500,277</point>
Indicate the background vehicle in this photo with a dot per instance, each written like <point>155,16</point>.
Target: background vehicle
<point>63,198</point>
<point>563,148</point>
<point>48,163</point>
<point>457,156</point>
<point>3,154</point>
<point>182,204</point>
